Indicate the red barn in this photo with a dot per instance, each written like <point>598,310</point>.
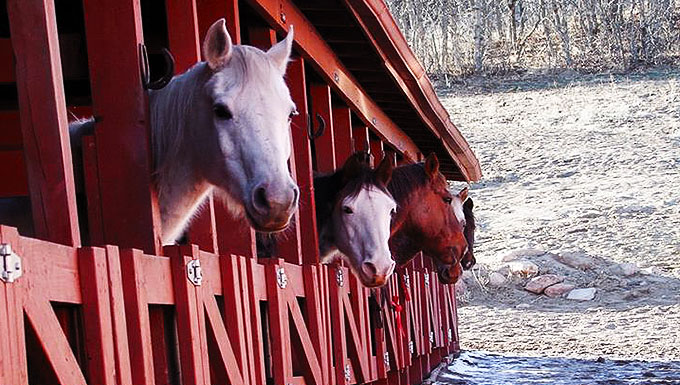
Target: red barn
<point>95,299</point>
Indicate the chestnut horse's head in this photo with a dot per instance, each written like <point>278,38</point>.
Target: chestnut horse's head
<point>429,218</point>
<point>449,273</point>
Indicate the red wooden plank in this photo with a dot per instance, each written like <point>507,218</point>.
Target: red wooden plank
<point>191,347</point>
<point>92,188</point>
<point>129,205</point>
<point>229,361</point>
<point>234,235</point>
<point>52,339</point>
<point>282,13</point>
<point>310,362</point>
<point>295,78</point>
<point>279,327</point>
<point>44,123</point>
<point>338,329</point>
<point>360,138</point>
<point>202,231</point>
<point>377,150</point>
<point>342,128</point>
<point>262,38</point>
<point>137,312</point>
<point>183,33</point>
<point>253,276</point>
<point>325,144</point>
<point>10,125</point>
<point>6,61</point>
<point>120,335</point>
<point>211,10</point>
<point>316,311</point>
<point>99,335</point>
<point>234,312</point>
<point>13,172</point>
<point>12,347</point>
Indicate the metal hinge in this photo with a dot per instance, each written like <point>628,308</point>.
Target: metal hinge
<point>348,373</point>
<point>11,264</point>
<point>281,277</point>
<point>340,276</point>
<point>194,272</point>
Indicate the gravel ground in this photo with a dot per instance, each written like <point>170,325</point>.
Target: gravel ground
<point>587,165</point>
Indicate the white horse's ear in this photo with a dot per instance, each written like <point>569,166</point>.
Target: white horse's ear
<point>217,47</point>
<point>280,52</point>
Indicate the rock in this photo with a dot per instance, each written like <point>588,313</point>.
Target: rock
<point>523,306</point>
<point>537,284</point>
<point>582,294</point>
<point>497,279</point>
<point>512,255</point>
<point>523,268</point>
<point>461,287</point>
<point>576,260</point>
<point>627,269</point>
<point>558,290</point>
<point>652,270</point>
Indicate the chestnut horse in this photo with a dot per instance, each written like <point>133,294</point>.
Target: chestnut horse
<point>429,218</point>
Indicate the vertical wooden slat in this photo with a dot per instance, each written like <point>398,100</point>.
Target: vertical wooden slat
<point>189,310</point>
<point>137,312</point>
<point>234,312</point>
<point>44,123</point>
<point>325,144</point>
<point>211,10</point>
<point>183,33</point>
<point>129,204</point>
<point>360,138</point>
<point>13,346</point>
<point>377,150</point>
<point>279,325</point>
<point>295,78</point>
<point>99,335</point>
<point>120,335</point>
<point>342,128</point>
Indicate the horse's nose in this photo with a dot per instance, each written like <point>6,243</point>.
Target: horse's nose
<point>450,273</point>
<point>273,204</point>
<point>377,276</point>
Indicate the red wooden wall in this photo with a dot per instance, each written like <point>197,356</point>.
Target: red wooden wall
<point>128,313</point>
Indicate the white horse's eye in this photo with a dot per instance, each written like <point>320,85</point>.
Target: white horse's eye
<point>393,212</point>
<point>293,113</point>
<point>347,210</point>
<point>222,112</point>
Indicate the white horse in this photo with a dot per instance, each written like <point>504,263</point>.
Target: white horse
<point>223,126</point>
<point>354,211</point>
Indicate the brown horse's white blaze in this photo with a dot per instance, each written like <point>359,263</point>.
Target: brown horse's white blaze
<point>224,125</point>
<point>450,272</point>
<point>358,229</point>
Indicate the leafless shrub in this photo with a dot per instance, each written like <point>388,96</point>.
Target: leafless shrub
<point>461,37</point>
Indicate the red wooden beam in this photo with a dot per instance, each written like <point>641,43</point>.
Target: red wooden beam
<point>44,123</point>
<point>129,204</point>
<point>283,13</point>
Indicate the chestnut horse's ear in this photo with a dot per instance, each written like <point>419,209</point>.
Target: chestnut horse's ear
<point>217,46</point>
<point>432,165</point>
<point>384,172</point>
<point>463,194</point>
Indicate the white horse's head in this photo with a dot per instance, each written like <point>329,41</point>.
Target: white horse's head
<point>246,129</point>
<point>361,224</point>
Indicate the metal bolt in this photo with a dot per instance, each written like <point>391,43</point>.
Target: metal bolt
<point>336,77</point>
<point>407,281</point>
<point>348,373</point>
<point>340,276</point>
<point>283,17</point>
<point>374,121</point>
<point>386,359</point>
<point>410,347</point>
<point>432,337</point>
<point>427,280</point>
<point>281,278</point>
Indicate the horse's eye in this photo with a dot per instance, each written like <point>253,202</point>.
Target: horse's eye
<point>393,212</point>
<point>347,210</point>
<point>448,200</point>
<point>293,113</point>
<point>222,112</point>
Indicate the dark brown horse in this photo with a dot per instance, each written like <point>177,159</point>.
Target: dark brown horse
<point>429,218</point>
<point>449,273</point>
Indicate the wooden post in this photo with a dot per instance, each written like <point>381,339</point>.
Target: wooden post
<point>325,144</point>
<point>130,215</point>
<point>44,123</point>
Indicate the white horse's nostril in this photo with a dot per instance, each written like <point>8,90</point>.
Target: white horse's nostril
<point>369,269</point>
<point>260,201</point>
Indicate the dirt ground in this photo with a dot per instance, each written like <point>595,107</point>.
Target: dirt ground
<point>585,167</point>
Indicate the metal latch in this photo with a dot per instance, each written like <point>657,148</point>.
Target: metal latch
<point>11,264</point>
<point>194,272</point>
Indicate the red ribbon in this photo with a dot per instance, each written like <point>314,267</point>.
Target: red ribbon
<point>405,289</point>
<point>397,314</point>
